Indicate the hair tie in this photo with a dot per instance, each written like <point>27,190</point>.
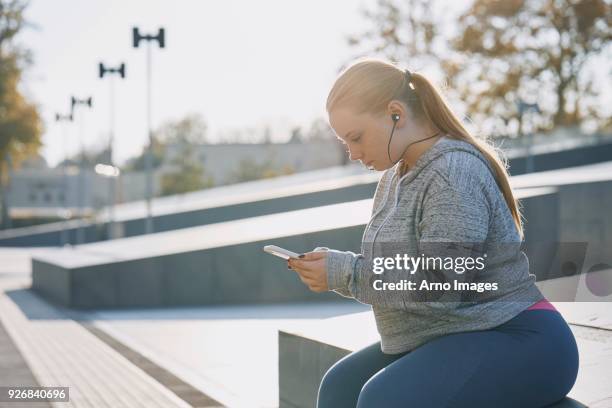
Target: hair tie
<point>408,75</point>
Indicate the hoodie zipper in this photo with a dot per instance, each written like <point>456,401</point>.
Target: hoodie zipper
<point>391,211</point>
<point>382,207</point>
<point>397,189</point>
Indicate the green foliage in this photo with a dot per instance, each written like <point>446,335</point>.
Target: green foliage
<point>248,169</point>
<point>187,176</point>
<point>137,163</point>
<point>497,53</point>
<point>296,135</point>
<point>186,173</point>
<point>400,31</point>
<point>89,158</point>
<point>190,130</point>
<point>531,50</point>
<point>320,131</point>
<point>20,122</point>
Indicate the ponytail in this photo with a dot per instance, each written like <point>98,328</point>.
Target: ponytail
<point>437,111</point>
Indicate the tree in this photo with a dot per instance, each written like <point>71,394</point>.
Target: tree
<point>189,130</point>
<point>181,140</point>
<point>320,131</point>
<point>500,53</point>
<point>188,175</point>
<point>138,163</point>
<point>266,135</point>
<point>89,158</point>
<point>20,122</point>
<point>531,51</point>
<point>231,136</point>
<point>296,135</point>
<point>248,169</point>
<point>413,33</point>
<point>406,31</point>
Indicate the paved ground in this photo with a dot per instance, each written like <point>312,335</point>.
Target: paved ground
<point>231,352</point>
<point>60,352</point>
<point>14,370</point>
<point>47,348</point>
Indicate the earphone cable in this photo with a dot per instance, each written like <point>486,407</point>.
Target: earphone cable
<point>410,144</point>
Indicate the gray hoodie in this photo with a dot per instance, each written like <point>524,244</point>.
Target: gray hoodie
<point>446,208</point>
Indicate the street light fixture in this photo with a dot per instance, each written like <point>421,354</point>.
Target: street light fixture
<point>137,37</point>
<point>112,72</point>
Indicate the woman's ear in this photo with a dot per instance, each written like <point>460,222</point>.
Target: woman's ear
<point>397,111</point>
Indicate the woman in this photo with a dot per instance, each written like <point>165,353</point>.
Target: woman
<point>443,193</point>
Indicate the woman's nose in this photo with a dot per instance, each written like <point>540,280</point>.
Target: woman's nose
<point>354,154</point>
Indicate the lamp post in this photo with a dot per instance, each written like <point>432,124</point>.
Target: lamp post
<point>64,118</point>
<point>137,37</point>
<point>86,102</point>
<point>120,70</point>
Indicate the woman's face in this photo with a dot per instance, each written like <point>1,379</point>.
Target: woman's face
<point>365,136</point>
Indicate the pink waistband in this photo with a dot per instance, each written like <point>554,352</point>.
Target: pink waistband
<point>542,304</point>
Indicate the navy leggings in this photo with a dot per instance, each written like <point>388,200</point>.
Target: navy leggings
<point>529,361</point>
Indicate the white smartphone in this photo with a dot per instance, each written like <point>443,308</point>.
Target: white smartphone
<point>280,252</point>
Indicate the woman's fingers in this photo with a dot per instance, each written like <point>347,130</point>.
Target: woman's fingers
<point>311,283</point>
<point>310,261</point>
<point>307,273</point>
<point>304,274</point>
<point>313,256</point>
<point>309,269</point>
<point>298,267</point>
<point>306,279</point>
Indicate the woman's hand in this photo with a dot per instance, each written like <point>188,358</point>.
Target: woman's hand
<point>312,270</point>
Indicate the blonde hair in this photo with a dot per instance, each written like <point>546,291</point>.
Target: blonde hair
<point>369,85</point>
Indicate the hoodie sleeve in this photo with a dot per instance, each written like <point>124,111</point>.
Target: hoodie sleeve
<point>455,211</point>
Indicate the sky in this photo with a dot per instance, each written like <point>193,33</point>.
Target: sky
<point>240,64</point>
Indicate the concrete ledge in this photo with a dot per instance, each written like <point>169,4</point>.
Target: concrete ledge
<point>305,354</point>
<point>214,264</point>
